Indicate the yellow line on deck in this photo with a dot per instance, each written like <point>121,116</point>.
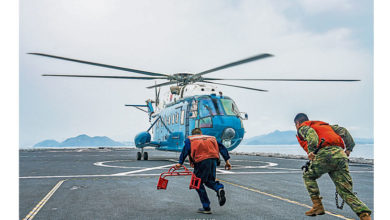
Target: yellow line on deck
<point>38,207</point>
<point>283,199</point>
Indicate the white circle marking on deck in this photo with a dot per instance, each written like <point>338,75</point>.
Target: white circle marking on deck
<point>267,164</point>
<point>102,164</point>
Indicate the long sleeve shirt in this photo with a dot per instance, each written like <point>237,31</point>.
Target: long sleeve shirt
<point>187,151</point>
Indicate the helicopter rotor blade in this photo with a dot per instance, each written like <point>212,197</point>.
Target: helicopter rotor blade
<point>100,64</point>
<point>247,60</point>
<point>112,77</point>
<point>162,84</point>
<point>242,87</point>
<point>303,80</point>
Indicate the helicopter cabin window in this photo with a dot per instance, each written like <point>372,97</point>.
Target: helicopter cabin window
<point>194,108</point>
<point>177,118</point>
<point>182,117</point>
<point>206,108</point>
<point>205,122</point>
<point>230,107</point>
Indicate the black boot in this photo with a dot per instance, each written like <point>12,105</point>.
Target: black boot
<point>221,196</point>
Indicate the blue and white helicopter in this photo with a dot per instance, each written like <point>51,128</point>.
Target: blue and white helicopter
<point>192,102</point>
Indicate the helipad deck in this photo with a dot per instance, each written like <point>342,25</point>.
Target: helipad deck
<point>111,184</point>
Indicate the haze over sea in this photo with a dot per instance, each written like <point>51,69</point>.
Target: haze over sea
<point>360,150</point>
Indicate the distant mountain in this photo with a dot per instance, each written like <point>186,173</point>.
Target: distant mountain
<point>81,140</point>
<point>287,137</point>
<point>48,143</point>
<point>276,137</point>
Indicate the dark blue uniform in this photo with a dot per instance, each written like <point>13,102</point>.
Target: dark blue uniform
<point>206,170</point>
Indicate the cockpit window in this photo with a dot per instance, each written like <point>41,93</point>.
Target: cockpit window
<point>205,122</point>
<point>206,108</point>
<point>230,107</point>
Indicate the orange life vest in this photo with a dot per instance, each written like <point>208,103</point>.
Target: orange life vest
<point>323,130</point>
<point>203,147</point>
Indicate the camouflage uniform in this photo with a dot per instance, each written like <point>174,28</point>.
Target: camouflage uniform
<point>334,161</point>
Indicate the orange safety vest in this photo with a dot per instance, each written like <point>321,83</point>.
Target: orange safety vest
<point>203,147</point>
<point>323,130</point>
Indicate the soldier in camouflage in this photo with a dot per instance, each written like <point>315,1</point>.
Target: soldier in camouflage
<point>329,159</point>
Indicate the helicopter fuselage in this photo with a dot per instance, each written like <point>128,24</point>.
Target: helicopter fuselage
<point>216,116</point>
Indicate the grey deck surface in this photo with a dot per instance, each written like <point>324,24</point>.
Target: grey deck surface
<point>111,184</point>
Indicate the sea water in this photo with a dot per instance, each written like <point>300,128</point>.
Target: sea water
<point>360,150</point>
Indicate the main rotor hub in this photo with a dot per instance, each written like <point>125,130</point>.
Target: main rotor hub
<point>179,76</point>
<point>185,78</point>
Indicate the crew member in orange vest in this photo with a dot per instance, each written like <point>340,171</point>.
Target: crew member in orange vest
<point>332,158</point>
<point>203,152</point>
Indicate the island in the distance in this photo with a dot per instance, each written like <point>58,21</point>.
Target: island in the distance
<point>82,141</point>
<point>287,138</point>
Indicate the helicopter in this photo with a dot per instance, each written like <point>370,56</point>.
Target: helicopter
<point>193,101</point>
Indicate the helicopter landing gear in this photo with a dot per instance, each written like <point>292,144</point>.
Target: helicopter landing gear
<point>145,155</point>
<point>142,154</point>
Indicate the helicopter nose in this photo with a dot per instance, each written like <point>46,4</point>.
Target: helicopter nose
<point>227,136</point>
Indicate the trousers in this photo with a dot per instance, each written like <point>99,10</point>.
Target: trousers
<point>206,171</point>
<point>334,162</point>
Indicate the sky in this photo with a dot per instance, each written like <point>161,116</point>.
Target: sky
<point>308,38</point>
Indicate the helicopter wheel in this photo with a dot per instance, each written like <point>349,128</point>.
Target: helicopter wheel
<point>145,155</point>
<point>139,155</point>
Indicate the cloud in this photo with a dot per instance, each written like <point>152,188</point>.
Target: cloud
<point>321,6</point>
